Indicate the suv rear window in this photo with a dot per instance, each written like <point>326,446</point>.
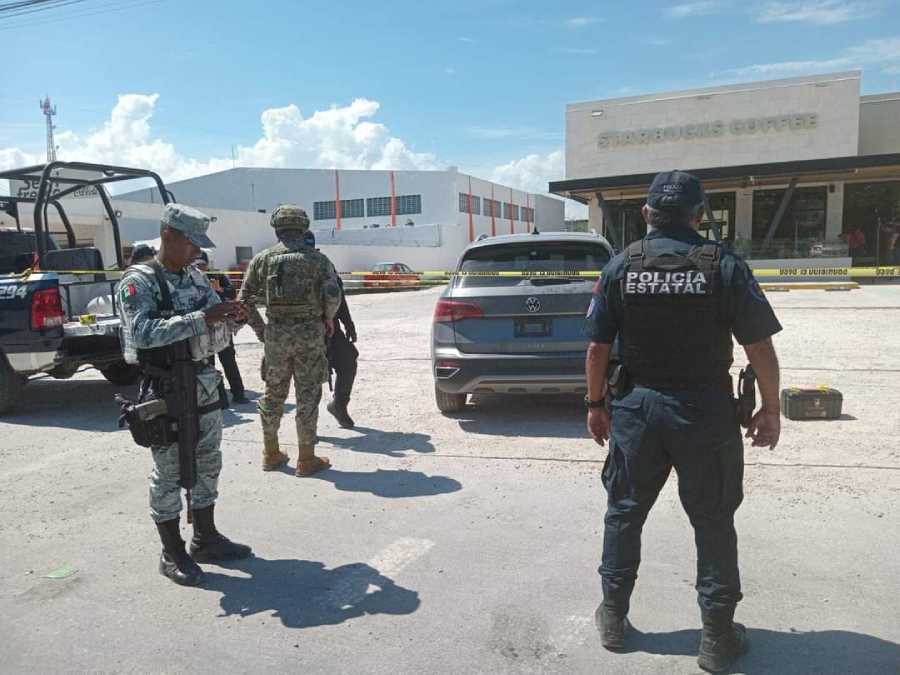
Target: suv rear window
<point>559,256</point>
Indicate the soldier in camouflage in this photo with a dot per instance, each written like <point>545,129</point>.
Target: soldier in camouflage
<point>301,293</point>
<point>202,318</point>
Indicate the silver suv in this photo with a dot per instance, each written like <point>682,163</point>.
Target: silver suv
<point>515,334</point>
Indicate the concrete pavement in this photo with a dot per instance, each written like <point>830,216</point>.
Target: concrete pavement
<point>449,545</point>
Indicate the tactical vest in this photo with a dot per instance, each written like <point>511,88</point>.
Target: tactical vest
<point>292,283</point>
<point>674,331</point>
<point>156,362</point>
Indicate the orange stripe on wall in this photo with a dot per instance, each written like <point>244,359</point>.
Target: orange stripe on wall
<point>493,214</point>
<point>337,199</point>
<point>393,202</point>
<point>471,222</point>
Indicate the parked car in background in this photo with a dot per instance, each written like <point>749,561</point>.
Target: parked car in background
<point>390,275</point>
<point>516,334</point>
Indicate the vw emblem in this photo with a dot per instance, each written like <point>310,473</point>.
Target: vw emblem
<point>533,305</point>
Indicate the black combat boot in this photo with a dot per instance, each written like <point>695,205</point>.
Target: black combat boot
<point>208,544</point>
<point>722,642</point>
<point>174,562</point>
<point>338,408</point>
<point>612,624</point>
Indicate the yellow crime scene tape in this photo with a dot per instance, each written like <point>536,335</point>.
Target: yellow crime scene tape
<point>884,272</point>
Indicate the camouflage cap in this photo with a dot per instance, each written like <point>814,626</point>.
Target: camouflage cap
<point>289,217</point>
<point>192,223</point>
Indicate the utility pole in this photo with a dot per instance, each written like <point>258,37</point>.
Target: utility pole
<point>49,112</point>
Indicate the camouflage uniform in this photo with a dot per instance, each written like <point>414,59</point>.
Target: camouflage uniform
<point>191,293</point>
<point>300,288</point>
<point>143,328</point>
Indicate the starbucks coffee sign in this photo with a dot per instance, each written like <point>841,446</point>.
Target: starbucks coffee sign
<point>688,132</point>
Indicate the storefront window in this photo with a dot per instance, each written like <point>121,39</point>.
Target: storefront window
<point>800,232</point>
<point>874,208</point>
<point>627,222</point>
<point>722,205</point>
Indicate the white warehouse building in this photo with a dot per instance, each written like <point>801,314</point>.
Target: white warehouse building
<point>360,217</point>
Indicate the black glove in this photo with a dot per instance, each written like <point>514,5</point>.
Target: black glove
<point>351,332</point>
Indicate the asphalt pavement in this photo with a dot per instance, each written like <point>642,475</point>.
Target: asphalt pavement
<point>453,544</point>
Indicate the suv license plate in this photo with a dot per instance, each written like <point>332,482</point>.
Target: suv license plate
<point>533,328</point>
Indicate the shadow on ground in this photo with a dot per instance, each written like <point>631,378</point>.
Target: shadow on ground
<point>390,483</point>
<point>829,651</point>
<point>304,593</point>
<point>85,404</point>
<point>390,443</point>
<point>511,415</point>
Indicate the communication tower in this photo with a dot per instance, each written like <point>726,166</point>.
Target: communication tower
<point>49,112</point>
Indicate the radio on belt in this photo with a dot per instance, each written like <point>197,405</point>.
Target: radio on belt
<point>818,403</point>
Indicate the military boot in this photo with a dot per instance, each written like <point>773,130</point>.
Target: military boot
<point>338,408</point>
<point>722,641</point>
<point>209,544</point>
<point>308,463</point>
<point>174,562</point>
<point>273,458</point>
<point>612,625</point>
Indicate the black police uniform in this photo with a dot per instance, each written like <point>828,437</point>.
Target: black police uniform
<point>227,356</point>
<point>343,355</point>
<point>674,300</point>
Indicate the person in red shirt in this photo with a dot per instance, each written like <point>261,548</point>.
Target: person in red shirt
<point>856,242</point>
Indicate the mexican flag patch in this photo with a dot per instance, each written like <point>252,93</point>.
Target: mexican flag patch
<point>128,291</point>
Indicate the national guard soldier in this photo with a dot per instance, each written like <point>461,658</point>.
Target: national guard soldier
<point>167,308</point>
<point>342,355</point>
<point>301,293</point>
<point>673,300</point>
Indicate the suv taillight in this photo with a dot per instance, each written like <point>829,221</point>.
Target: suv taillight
<point>454,310</point>
<point>46,309</point>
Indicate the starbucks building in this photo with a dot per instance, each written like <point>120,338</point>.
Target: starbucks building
<point>790,167</point>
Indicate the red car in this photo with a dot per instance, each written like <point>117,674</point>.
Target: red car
<point>391,275</point>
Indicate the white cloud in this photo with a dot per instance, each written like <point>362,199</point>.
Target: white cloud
<point>815,11</point>
<point>341,136</point>
<point>883,53</point>
<point>465,39</point>
<point>450,70</point>
<point>577,22</point>
<point>533,172</point>
<point>687,9</point>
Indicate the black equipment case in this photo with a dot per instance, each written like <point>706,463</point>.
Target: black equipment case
<point>819,403</point>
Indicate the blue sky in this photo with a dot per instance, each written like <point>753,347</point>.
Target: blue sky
<point>480,85</point>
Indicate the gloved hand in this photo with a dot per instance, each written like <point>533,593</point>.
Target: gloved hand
<point>351,332</point>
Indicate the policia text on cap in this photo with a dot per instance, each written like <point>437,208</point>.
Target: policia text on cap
<point>673,301</point>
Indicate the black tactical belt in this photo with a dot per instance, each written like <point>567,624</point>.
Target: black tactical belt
<point>684,385</point>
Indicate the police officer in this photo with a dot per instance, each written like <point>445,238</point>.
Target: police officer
<point>222,285</point>
<point>141,253</point>
<point>342,355</point>
<point>301,293</point>
<point>674,300</point>
<point>148,330</point>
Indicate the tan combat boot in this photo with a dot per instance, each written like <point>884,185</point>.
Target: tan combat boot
<point>308,463</point>
<point>273,458</point>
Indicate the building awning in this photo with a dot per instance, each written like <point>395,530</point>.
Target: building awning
<point>745,175</point>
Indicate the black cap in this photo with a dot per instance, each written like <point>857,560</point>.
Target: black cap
<point>675,190</point>
<point>142,251</point>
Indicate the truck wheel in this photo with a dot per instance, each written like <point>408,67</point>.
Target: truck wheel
<point>449,403</point>
<point>10,386</point>
<point>121,373</point>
